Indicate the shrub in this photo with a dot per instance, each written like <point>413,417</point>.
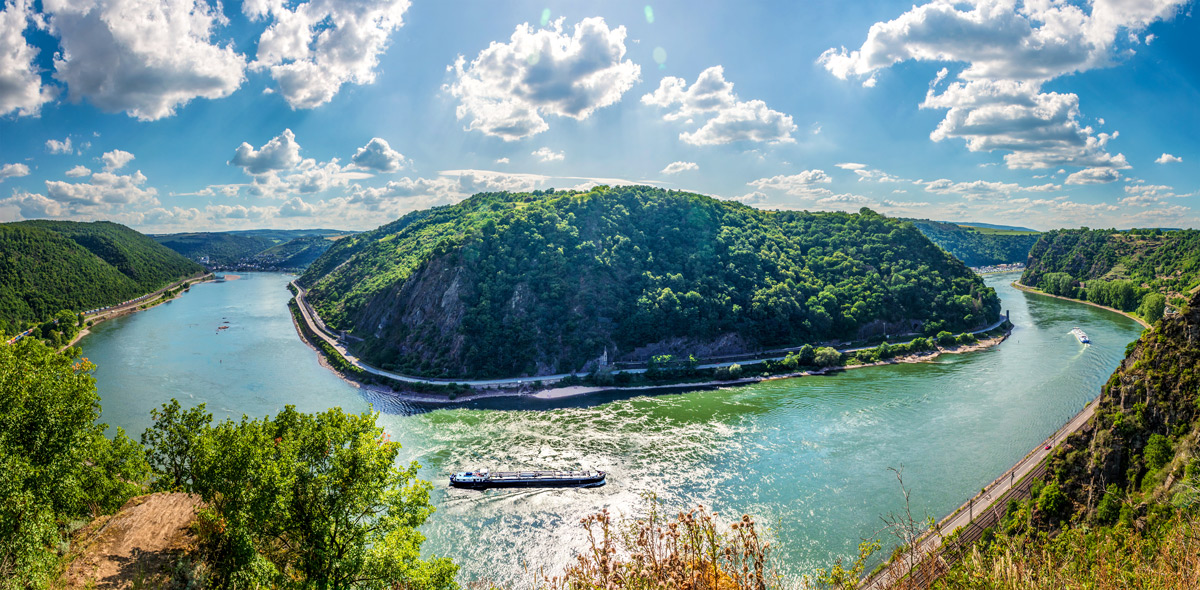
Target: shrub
<point>827,357</point>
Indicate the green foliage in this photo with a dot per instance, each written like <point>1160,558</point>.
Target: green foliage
<point>1118,269</point>
<point>945,338</point>
<point>1158,452</point>
<point>55,461</point>
<point>1109,508</point>
<point>552,279</point>
<point>1051,500</point>
<point>49,266</point>
<point>827,356</point>
<point>305,500</point>
<point>978,246</point>
<point>1152,307</point>
<point>173,442</point>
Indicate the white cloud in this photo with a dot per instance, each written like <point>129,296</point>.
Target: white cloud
<point>844,201</point>
<point>78,171</point>
<point>239,212</point>
<point>378,155</point>
<point>802,184</point>
<point>21,89</point>
<point>144,57</point>
<point>509,88</point>
<point>280,153</point>
<point>315,47</point>
<point>55,146</point>
<point>295,207</point>
<point>13,171</point>
<point>1168,159</point>
<point>851,166</point>
<point>105,191</point>
<point>1094,176</point>
<point>501,160</point>
<point>727,119</point>
<point>35,206</point>
<point>677,167</point>
<point>1010,51</point>
<point>752,198</point>
<point>173,216</point>
<point>546,154</point>
<point>116,159</point>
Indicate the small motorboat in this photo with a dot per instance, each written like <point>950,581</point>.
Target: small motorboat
<point>482,480</point>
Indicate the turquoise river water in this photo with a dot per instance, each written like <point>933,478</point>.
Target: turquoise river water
<point>807,457</point>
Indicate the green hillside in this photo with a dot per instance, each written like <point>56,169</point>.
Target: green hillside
<point>534,283</point>
<point>273,248</point>
<point>48,266</point>
<point>979,246</point>
<point>1133,271</point>
<point>1120,505</point>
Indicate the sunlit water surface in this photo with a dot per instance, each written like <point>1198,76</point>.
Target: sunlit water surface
<point>808,457</point>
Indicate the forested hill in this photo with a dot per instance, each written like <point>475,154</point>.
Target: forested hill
<point>256,248</point>
<point>536,283</point>
<point>979,246</point>
<point>1133,270</point>
<point>49,266</point>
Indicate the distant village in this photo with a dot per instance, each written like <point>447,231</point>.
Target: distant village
<point>1015,266</point>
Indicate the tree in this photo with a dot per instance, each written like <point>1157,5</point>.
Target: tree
<point>56,465</point>
<point>1153,305</point>
<point>313,498</point>
<point>1158,451</point>
<point>826,356</point>
<point>173,444</point>
<point>946,338</point>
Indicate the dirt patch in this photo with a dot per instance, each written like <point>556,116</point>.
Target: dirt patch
<point>141,543</point>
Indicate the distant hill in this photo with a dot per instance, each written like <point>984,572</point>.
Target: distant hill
<point>980,247</point>
<point>265,248</point>
<point>49,266</point>
<point>1116,268</point>
<point>534,283</point>
<point>1008,228</point>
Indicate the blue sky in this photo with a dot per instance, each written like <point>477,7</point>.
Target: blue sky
<point>179,115</point>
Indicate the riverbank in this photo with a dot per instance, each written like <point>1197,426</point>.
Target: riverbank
<point>155,299</point>
<point>551,392</point>
<point>1017,285</point>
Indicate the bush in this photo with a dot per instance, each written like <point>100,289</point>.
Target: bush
<point>945,338</point>
<point>1158,452</point>
<point>827,357</point>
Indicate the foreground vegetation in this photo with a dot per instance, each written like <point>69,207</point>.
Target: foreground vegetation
<point>50,266</point>
<point>294,501</point>
<point>535,283</point>
<point>1137,271</point>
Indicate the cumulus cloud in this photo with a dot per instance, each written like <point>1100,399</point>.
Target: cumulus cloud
<point>501,160</point>
<point>1168,159</point>
<point>104,192</point>
<point>35,206</point>
<point>173,216</point>
<point>280,153</point>
<point>509,88</point>
<point>143,57</point>
<point>13,171</point>
<point>1010,51</point>
<point>21,88</point>
<point>313,48</point>
<point>55,146</point>
<point>295,207</point>
<point>752,198</point>
<point>239,212</point>
<point>116,159</point>
<point>727,119</point>
<point>1094,176</point>
<point>844,201</point>
<point>677,167</point>
<point>802,184</point>
<point>546,154</point>
<point>78,171</point>
<point>378,155</point>
<point>851,166</point>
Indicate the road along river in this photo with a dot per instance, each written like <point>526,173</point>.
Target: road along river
<point>808,457</point>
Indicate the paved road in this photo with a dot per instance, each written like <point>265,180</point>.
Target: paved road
<point>981,503</point>
<point>318,327</point>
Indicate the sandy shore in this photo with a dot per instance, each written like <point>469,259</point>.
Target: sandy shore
<point>554,393</point>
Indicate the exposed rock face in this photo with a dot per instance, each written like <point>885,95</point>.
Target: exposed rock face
<point>1153,392</point>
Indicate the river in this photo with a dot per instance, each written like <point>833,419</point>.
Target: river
<point>807,457</point>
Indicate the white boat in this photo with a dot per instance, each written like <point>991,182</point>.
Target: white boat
<point>1080,335</point>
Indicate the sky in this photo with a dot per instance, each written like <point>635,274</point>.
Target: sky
<point>185,115</point>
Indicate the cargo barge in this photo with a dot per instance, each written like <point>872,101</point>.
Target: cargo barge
<point>1081,336</point>
<point>482,480</point>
